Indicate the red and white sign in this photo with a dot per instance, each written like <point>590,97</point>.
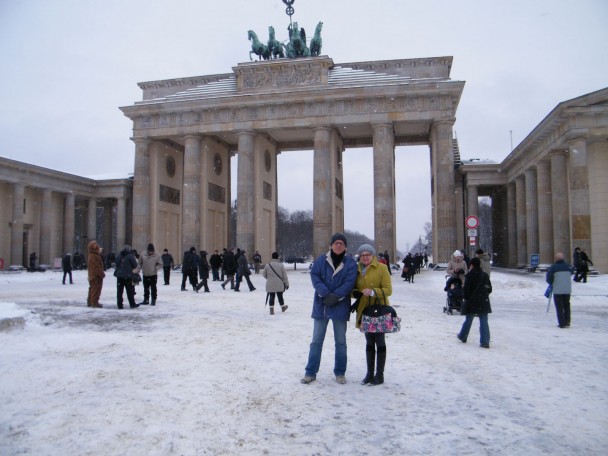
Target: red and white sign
<point>472,241</point>
<point>471,222</point>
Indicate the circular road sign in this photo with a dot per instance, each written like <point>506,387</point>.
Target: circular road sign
<point>471,222</point>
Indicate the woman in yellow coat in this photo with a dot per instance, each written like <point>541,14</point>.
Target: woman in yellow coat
<point>373,286</point>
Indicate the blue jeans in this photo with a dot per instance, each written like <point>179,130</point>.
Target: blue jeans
<point>316,346</point>
<point>484,328</point>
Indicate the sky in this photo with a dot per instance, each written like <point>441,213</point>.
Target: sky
<point>215,374</point>
<point>67,66</point>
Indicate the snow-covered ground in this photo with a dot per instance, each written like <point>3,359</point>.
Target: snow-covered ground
<point>215,374</point>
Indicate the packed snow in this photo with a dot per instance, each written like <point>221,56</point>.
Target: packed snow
<point>215,374</point>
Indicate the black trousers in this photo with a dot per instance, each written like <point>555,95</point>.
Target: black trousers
<point>279,296</point>
<point>122,285</point>
<point>166,274</point>
<point>562,308</point>
<point>65,273</point>
<point>150,286</point>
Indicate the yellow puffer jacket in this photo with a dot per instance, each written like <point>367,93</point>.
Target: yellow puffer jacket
<point>378,279</point>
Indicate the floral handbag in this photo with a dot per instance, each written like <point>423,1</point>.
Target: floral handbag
<point>380,318</point>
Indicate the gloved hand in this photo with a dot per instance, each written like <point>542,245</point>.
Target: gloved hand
<point>331,299</point>
<point>357,294</point>
<point>353,306</point>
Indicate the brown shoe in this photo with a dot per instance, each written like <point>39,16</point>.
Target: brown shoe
<point>272,311</point>
<point>284,308</point>
<point>96,305</point>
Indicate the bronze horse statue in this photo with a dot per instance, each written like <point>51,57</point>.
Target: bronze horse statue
<point>297,43</point>
<point>316,42</point>
<point>275,48</point>
<point>257,47</point>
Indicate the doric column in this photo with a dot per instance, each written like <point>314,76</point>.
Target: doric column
<point>191,212</point>
<point>45,227</point>
<point>245,192</point>
<point>107,226</point>
<point>472,200</point>
<point>520,209</point>
<point>545,212</point>
<point>92,220</point>
<point>121,225</point>
<point>68,223</point>
<point>560,204</point>
<point>17,226</point>
<point>531,213</point>
<point>384,188</point>
<point>141,194</point>
<point>511,226</point>
<point>322,197</point>
<point>580,216</point>
<point>442,169</point>
<point>598,203</point>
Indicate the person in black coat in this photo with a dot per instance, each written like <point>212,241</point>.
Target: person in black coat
<point>477,288</point>
<point>66,265</point>
<point>581,264</point>
<point>203,271</point>
<point>229,267</point>
<point>125,265</point>
<point>243,272</point>
<point>215,261</point>
<point>189,269</point>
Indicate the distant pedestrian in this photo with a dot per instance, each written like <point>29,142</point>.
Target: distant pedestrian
<point>388,261</point>
<point>243,272</point>
<point>581,265</point>
<point>558,276</point>
<point>168,264</point>
<point>215,261</point>
<point>229,268</point>
<point>33,259</point>
<point>95,274</point>
<point>126,265</point>
<point>485,259</point>
<point>189,269</point>
<point>150,263</point>
<point>257,261</point>
<point>203,271</point>
<point>66,265</point>
<point>476,291</point>
<point>277,282</point>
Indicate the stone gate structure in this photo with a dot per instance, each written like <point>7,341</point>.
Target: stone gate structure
<point>186,130</point>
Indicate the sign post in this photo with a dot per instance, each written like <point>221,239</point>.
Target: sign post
<point>472,222</point>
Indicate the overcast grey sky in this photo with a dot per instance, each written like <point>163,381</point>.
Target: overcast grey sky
<point>67,65</point>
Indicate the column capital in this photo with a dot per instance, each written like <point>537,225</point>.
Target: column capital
<point>576,134</point>
<point>144,141</point>
<point>449,122</point>
<point>325,128</point>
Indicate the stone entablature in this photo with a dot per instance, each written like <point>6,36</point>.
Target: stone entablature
<point>398,108</point>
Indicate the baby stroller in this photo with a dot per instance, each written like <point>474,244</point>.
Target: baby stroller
<point>454,298</point>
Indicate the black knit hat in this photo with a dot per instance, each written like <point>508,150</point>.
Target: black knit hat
<point>338,237</point>
<point>150,247</point>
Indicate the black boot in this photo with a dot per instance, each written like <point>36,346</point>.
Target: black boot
<point>370,354</point>
<point>379,378</point>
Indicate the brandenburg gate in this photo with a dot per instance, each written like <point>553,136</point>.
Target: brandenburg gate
<point>185,131</point>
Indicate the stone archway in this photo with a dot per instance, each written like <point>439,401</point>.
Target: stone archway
<point>263,108</point>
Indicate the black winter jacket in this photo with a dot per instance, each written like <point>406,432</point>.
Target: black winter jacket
<point>477,289</point>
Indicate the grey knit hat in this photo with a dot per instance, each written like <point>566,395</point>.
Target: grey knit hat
<point>366,248</point>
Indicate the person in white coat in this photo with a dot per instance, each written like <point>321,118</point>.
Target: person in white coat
<point>276,282</point>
